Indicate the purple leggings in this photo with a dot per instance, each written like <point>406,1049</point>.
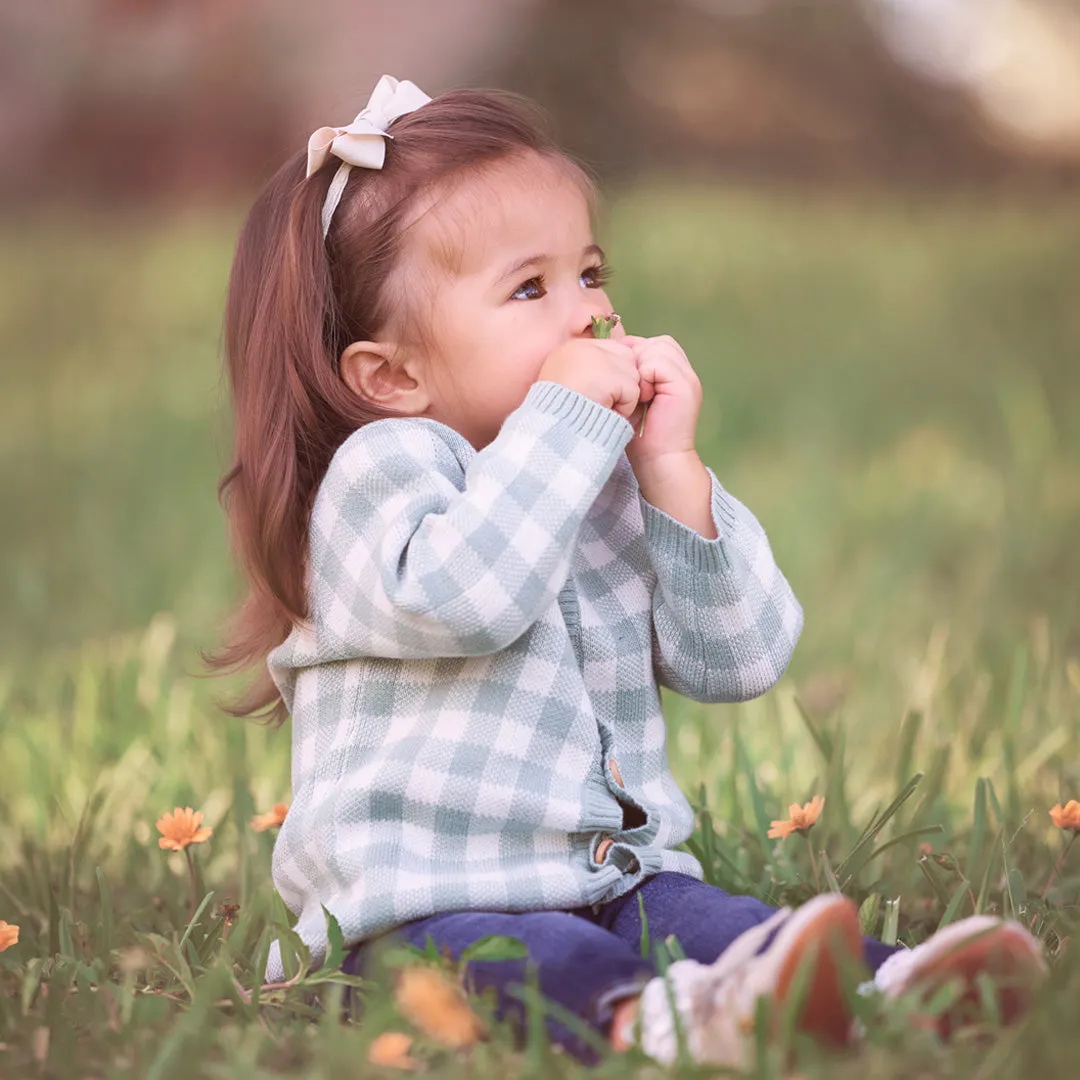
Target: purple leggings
<point>586,960</point>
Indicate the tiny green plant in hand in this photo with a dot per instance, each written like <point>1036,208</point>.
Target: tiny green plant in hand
<point>602,325</point>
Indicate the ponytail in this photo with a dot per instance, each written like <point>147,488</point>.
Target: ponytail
<point>291,414</point>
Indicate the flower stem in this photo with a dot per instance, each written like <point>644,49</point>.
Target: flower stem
<point>1057,865</point>
<point>813,861</point>
<point>194,885</point>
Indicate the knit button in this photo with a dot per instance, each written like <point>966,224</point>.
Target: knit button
<point>613,765</point>
<point>603,848</point>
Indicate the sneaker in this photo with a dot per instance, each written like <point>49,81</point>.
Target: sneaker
<point>818,947</point>
<point>980,945</point>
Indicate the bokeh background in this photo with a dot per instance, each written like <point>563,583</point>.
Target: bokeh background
<point>861,218</point>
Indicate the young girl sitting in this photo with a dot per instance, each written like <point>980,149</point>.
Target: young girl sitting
<point>474,555</point>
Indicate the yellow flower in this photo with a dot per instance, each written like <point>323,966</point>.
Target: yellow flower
<point>1067,816</point>
<point>392,1050</point>
<point>272,820</point>
<point>9,935</point>
<point>437,1006</point>
<point>802,819</point>
<point>181,828</point>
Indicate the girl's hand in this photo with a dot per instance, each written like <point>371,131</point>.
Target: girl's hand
<point>671,389</point>
<point>604,371</point>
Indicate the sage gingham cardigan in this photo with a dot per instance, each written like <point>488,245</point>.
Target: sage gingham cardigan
<point>476,720</point>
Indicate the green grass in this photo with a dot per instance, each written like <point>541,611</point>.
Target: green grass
<point>894,389</point>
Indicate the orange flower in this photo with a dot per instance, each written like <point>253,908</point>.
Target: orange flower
<point>181,828</point>
<point>9,935</point>
<point>1067,816</point>
<point>802,819</point>
<point>272,820</point>
<point>391,1049</point>
<point>437,1006</point>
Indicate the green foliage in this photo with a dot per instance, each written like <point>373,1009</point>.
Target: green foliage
<point>892,389</point>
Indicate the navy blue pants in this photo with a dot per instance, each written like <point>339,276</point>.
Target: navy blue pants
<point>585,960</point>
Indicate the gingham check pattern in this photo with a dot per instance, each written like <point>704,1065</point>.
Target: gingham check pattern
<point>486,635</point>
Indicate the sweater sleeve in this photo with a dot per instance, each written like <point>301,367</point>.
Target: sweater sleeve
<point>421,547</point>
<point>725,621</point>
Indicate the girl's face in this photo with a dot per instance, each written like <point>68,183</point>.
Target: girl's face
<point>516,273</point>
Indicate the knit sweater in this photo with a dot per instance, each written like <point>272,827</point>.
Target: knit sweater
<point>476,720</point>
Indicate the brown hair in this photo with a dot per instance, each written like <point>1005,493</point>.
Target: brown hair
<point>295,301</point>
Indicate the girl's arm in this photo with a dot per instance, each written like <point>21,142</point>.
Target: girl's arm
<point>421,547</point>
<point>725,621</point>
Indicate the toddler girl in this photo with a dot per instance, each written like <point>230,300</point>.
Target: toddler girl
<point>473,559</point>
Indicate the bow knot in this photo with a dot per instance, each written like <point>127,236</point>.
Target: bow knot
<point>363,142</point>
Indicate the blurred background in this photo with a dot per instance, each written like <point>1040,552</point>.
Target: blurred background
<point>860,217</point>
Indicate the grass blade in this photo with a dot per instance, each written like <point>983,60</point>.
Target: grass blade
<point>963,890</point>
<point>822,739</point>
<point>910,834</point>
<point>644,942</point>
<point>890,927</point>
<point>984,887</point>
<point>106,932</point>
<point>925,865</point>
<point>910,727</point>
<point>871,832</point>
<point>193,921</point>
<point>830,876</point>
<point>978,831</point>
<point>868,914</point>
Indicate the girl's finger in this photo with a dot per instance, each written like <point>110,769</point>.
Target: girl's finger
<point>666,365</point>
<point>661,368</point>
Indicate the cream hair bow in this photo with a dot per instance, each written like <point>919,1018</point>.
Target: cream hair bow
<point>362,143</point>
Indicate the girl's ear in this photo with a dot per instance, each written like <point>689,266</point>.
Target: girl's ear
<point>369,371</point>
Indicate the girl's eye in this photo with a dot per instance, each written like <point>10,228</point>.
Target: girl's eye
<point>533,289</point>
<point>592,277</point>
<point>595,277</point>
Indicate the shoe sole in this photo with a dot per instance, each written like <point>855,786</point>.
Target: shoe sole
<point>831,943</point>
<point>1004,953</point>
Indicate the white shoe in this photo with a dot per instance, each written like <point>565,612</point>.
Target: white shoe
<point>717,1002</point>
<point>980,945</point>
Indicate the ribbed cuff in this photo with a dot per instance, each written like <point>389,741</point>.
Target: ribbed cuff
<point>674,540</point>
<point>591,420</point>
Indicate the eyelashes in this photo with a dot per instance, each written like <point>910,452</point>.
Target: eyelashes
<point>598,276</point>
<point>601,275</point>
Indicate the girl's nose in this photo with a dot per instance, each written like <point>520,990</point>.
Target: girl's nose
<point>595,306</point>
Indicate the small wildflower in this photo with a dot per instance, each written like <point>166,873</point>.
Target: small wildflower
<point>392,1050</point>
<point>437,1006</point>
<point>228,911</point>
<point>273,819</point>
<point>1067,816</point>
<point>801,821</point>
<point>181,828</point>
<point>9,935</point>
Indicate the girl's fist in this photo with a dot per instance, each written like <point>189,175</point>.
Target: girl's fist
<point>604,371</point>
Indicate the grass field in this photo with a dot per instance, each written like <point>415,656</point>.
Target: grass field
<point>893,388</point>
